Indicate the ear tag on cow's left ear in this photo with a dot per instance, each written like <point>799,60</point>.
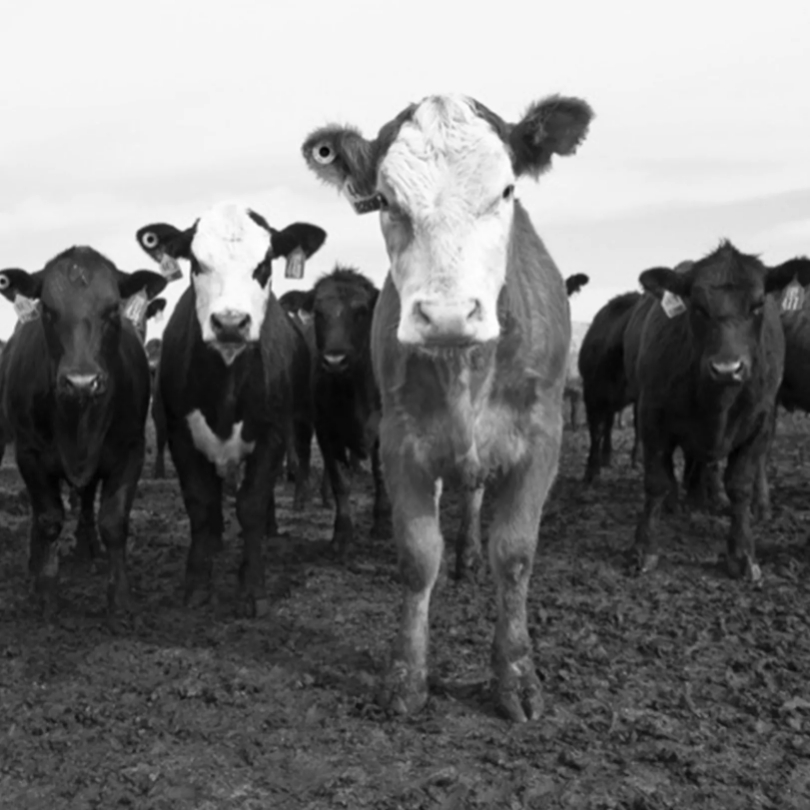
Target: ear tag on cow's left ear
<point>135,307</point>
<point>27,309</point>
<point>296,260</point>
<point>672,304</point>
<point>170,268</point>
<point>361,205</point>
<point>793,296</point>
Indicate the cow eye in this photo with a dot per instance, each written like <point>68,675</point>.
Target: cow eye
<point>509,192</point>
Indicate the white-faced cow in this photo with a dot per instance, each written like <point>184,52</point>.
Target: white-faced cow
<point>233,381</point>
<point>469,344</point>
<point>708,378</point>
<point>75,393</point>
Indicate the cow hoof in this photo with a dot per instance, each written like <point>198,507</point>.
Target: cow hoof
<point>46,591</point>
<point>380,529</point>
<point>199,591</point>
<point>518,692</point>
<point>119,600</point>
<point>646,562</point>
<point>403,691</point>
<point>251,607</point>
<point>762,513</point>
<point>468,569</point>
<point>88,547</point>
<point>744,568</point>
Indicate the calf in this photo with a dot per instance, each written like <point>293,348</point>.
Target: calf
<point>75,393</point>
<point>708,379</point>
<point>345,395</point>
<point>604,384</point>
<point>233,382</point>
<point>469,345</point>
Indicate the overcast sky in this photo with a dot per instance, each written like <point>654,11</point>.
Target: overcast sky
<point>115,116</point>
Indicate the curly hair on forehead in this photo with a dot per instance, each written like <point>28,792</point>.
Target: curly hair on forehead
<point>344,274</point>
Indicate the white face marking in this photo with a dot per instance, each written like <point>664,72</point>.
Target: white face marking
<point>224,455</point>
<point>447,231</point>
<point>229,246</point>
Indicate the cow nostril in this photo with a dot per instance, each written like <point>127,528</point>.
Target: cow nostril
<point>230,321</point>
<point>334,358</point>
<point>420,315</point>
<point>475,312</point>
<point>733,367</point>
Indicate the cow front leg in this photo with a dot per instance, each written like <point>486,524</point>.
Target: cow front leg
<point>741,470</point>
<point>87,543</point>
<point>117,495</point>
<point>419,544</point>
<point>47,518</point>
<point>251,511</point>
<point>303,452</point>
<point>343,531</point>
<point>518,499</point>
<point>381,512</point>
<point>468,541</point>
<point>202,495</point>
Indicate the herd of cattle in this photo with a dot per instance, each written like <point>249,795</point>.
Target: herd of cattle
<point>455,371</point>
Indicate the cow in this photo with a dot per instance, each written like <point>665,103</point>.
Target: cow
<point>604,384</point>
<point>469,346</point>
<point>573,385</point>
<point>75,393</point>
<point>345,396</point>
<point>233,381</point>
<point>708,373</point>
<point>573,284</point>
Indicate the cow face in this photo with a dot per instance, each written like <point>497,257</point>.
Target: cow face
<point>231,249</point>
<point>342,306</point>
<point>80,295</point>
<point>443,176</point>
<point>724,294</point>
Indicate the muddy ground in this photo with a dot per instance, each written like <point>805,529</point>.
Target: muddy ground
<point>680,690</point>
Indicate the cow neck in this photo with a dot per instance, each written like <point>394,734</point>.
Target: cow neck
<point>80,430</point>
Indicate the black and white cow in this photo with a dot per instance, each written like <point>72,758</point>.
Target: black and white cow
<point>233,381</point>
<point>469,344</point>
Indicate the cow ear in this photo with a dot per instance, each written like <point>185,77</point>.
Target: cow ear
<point>575,283</point>
<point>307,238</point>
<point>160,239</point>
<point>131,283</point>
<point>659,280</point>
<point>155,307</point>
<point>555,125</point>
<point>341,157</point>
<point>14,282</point>
<point>779,277</point>
<point>308,302</point>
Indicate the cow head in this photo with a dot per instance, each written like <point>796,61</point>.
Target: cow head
<point>230,249</point>
<point>442,175</point>
<point>724,295</point>
<point>80,295</point>
<point>573,284</point>
<point>342,306</point>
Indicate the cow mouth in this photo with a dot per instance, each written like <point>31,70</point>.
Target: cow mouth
<point>229,350</point>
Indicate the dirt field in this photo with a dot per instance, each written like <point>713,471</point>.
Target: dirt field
<point>680,690</point>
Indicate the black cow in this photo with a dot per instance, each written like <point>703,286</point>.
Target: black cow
<point>604,385</point>
<point>573,284</point>
<point>708,380</point>
<point>234,382</point>
<point>75,393</point>
<point>346,398</point>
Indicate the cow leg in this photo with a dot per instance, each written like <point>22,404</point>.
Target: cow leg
<point>303,451</point>
<point>87,544</point>
<point>159,419</point>
<point>292,460</point>
<point>741,470</point>
<point>251,511</point>
<point>117,494</point>
<point>381,512</point>
<point>518,501</point>
<point>202,495</point>
<point>634,451</point>
<point>326,492</point>
<point>343,533</point>
<point>468,540</point>
<point>595,428</point>
<point>715,491</point>
<point>607,440</point>
<point>47,517</point>
<point>658,478</point>
<point>419,548</point>
<point>762,493</point>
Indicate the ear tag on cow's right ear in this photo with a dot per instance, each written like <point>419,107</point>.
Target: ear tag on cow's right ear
<point>793,296</point>
<point>170,268</point>
<point>672,304</point>
<point>135,307</point>
<point>27,309</point>
<point>296,260</point>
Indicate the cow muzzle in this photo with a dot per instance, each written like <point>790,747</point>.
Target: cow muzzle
<point>81,386</point>
<point>729,372</point>
<point>231,331</point>
<point>432,323</point>
<point>334,362</point>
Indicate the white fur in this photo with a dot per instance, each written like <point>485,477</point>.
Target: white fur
<point>447,171</point>
<point>229,246</point>
<point>224,455</point>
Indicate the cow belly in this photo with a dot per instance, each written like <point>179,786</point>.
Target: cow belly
<point>224,454</point>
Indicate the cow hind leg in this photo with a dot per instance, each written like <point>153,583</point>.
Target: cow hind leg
<point>469,559</point>
<point>47,518</point>
<point>419,548</point>
<point>517,507</point>
<point>595,427</point>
